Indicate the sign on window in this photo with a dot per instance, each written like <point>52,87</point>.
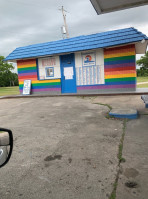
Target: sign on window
<point>89,59</point>
<point>49,62</point>
<point>68,72</point>
<point>49,72</point>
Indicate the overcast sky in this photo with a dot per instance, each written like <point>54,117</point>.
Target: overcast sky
<point>25,22</point>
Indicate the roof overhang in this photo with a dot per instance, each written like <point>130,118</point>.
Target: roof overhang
<point>140,48</point>
<point>106,6</point>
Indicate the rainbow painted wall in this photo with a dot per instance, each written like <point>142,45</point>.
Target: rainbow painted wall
<point>119,71</point>
<point>27,69</point>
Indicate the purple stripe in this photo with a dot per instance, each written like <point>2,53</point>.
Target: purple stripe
<point>46,89</point>
<point>106,87</point>
<point>118,65</point>
<point>27,74</point>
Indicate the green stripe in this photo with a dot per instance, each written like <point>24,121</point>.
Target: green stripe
<point>119,58</point>
<point>28,68</point>
<point>44,84</point>
<point>121,79</point>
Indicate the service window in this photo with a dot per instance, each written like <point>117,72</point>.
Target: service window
<point>49,68</point>
<point>49,71</point>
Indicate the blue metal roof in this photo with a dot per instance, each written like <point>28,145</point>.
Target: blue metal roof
<point>80,43</point>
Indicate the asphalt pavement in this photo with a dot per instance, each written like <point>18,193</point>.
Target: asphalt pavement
<point>66,148</point>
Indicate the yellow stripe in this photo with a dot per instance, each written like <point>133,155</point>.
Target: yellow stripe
<point>27,65</point>
<point>119,54</point>
<point>120,76</point>
<point>42,81</point>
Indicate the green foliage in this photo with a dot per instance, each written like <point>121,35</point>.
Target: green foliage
<point>143,62</point>
<point>142,72</point>
<point>7,78</point>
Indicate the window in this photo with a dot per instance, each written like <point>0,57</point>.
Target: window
<point>49,68</point>
<point>49,71</point>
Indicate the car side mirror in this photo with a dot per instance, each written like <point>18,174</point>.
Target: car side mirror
<point>6,146</point>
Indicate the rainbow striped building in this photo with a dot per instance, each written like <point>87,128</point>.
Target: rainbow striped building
<point>91,64</point>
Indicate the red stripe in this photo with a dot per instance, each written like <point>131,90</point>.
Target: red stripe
<point>120,69</point>
<point>28,61</point>
<point>28,77</point>
<point>128,48</point>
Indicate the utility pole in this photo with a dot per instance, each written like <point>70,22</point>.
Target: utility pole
<point>65,24</point>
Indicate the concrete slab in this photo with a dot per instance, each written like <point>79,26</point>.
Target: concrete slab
<point>130,101</point>
<point>124,113</point>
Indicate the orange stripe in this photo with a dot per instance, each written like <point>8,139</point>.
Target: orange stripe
<point>119,51</point>
<point>21,81</point>
<point>27,65</point>
<point>120,54</point>
<point>120,72</point>
<point>120,75</point>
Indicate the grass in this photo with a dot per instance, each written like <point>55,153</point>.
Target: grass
<point>14,90</point>
<point>110,108</point>
<point>121,159</point>
<point>142,85</point>
<point>142,79</point>
<point>113,194</point>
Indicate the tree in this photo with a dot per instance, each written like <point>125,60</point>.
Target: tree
<point>143,62</point>
<point>7,78</point>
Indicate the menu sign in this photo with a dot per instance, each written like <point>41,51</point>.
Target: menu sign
<point>27,87</point>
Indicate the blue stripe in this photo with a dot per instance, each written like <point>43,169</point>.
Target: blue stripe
<point>37,65</point>
<point>38,87</point>
<point>119,62</point>
<point>121,82</point>
<point>27,71</point>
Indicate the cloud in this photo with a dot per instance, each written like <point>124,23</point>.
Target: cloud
<point>34,21</point>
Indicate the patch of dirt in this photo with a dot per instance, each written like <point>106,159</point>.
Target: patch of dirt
<point>51,158</point>
<point>131,172</point>
<point>69,160</point>
<point>131,184</point>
